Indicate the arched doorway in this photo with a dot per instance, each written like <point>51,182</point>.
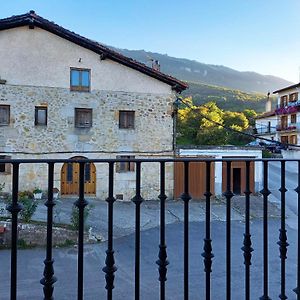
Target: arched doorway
<point>70,178</point>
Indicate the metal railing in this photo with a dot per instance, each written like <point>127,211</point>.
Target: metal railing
<point>290,103</point>
<point>288,127</point>
<point>265,130</point>
<point>110,269</point>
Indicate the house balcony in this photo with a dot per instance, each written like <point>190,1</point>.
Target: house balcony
<point>291,107</point>
<point>265,130</point>
<point>206,253</point>
<point>291,127</point>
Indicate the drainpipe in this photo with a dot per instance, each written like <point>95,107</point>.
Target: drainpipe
<point>174,115</point>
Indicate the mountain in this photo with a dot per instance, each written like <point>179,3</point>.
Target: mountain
<point>193,71</point>
<point>226,98</point>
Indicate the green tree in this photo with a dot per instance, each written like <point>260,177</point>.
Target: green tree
<point>203,125</point>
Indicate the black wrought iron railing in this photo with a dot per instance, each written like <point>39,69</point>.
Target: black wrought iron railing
<point>244,289</point>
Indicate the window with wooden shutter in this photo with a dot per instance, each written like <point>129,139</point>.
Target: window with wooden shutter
<point>83,117</point>
<point>126,119</point>
<point>5,168</point>
<point>293,97</point>
<point>40,115</point>
<point>4,114</point>
<point>293,118</point>
<point>125,166</point>
<point>293,139</point>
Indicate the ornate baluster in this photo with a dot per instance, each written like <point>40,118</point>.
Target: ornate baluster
<point>228,195</point>
<point>110,267</point>
<point>137,200</point>
<point>247,236</point>
<point>14,208</point>
<point>207,254</point>
<point>297,190</point>
<point>162,262</point>
<point>185,197</point>
<point>265,192</point>
<point>48,280</point>
<point>282,233</point>
<point>81,203</point>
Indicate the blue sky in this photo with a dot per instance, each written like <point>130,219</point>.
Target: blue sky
<point>247,35</point>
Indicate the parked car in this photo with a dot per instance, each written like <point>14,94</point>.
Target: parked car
<point>274,147</point>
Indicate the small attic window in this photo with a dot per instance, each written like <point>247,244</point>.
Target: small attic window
<point>80,80</point>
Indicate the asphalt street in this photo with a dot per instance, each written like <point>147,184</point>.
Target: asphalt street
<point>30,262</point>
<point>30,266</point>
<point>291,182</point>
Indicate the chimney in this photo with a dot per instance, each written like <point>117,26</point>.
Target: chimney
<point>155,65</point>
<point>268,103</point>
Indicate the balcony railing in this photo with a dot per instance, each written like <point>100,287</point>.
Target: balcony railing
<point>289,108</point>
<point>190,258</point>
<point>265,130</point>
<point>288,127</point>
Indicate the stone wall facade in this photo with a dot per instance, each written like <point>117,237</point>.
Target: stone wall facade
<point>152,135</point>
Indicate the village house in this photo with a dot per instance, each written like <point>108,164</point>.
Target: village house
<point>65,96</point>
<point>282,124</point>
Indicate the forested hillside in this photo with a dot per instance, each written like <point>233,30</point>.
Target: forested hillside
<point>225,98</point>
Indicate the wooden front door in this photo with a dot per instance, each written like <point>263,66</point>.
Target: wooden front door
<point>197,179</point>
<point>238,177</point>
<point>70,178</point>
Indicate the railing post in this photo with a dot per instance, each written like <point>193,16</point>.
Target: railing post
<point>297,190</point>
<point>265,192</point>
<point>162,261</point>
<point>207,254</point>
<point>137,200</point>
<point>185,197</point>
<point>228,195</point>
<point>247,236</point>
<point>81,203</point>
<point>14,208</point>
<point>48,280</point>
<point>282,232</point>
<point>110,267</point>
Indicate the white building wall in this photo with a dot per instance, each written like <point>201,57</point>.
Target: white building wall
<point>40,58</point>
<point>223,153</point>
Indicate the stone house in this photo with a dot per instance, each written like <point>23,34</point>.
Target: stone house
<point>65,96</point>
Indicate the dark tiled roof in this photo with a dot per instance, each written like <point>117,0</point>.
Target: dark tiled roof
<point>287,88</point>
<point>31,19</point>
<point>266,114</point>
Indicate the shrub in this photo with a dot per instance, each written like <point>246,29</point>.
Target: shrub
<point>25,194</point>
<point>75,216</point>
<point>29,208</point>
<point>28,203</point>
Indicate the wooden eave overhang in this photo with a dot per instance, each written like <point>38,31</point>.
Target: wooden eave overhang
<point>287,88</point>
<point>31,19</point>
<point>266,115</point>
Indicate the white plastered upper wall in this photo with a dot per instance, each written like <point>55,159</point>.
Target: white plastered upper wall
<point>36,57</point>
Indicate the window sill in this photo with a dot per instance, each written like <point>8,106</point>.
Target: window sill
<point>80,90</point>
